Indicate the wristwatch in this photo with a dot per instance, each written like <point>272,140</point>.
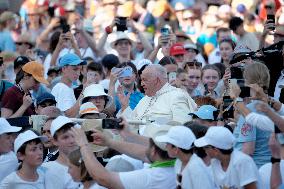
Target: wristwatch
<point>275,160</point>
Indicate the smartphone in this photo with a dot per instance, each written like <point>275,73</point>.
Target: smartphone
<point>64,26</point>
<point>236,73</point>
<point>245,91</point>
<point>165,31</point>
<point>127,72</point>
<point>271,18</point>
<point>172,76</point>
<point>112,123</point>
<point>1,61</point>
<point>228,107</point>
<point>89,136</point>
<point>121,25</point>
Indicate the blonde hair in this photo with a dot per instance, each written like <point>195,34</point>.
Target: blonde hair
<point>257,73</point>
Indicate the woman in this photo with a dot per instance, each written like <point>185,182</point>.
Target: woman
<point>227,47</point>
<point>17,100</point>
<point>29,149</point>
<point>210,76</point>
<point>95,93</point>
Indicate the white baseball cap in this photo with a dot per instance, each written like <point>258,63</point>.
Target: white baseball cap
<point>5,127</point>
<point>217,136</point>
<point>59,122</point>
<point>25,137</point>
<point>179,136</point>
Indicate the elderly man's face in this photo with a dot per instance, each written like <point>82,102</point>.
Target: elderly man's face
<point>149,81</point>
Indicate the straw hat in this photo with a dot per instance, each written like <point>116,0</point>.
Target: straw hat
<point>90,125</point>
<point>119,36</point>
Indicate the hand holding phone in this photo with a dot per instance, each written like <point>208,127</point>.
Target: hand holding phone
<point>121,23</point>
<point>112,123</point>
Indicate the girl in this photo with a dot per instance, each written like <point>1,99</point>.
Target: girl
<point>227,47</point>
<point>29,149</point>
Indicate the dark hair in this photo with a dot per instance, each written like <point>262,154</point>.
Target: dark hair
<point>124,64</point>
<point>228,40</point>
<point>221,67</point>
<point>109,61</point>
<point>219,30</point>
<point>20,61</point>
<point>96,67</point>
<point>180,71</point>
<point>211,67</point>
<point>20,75</point>
<point>54,41</point>
<point>235,22</point>
<point>225,152</point>
<point>63,129</point>
<point>190,151</point>
<point>163,154</point>
<point>167,60</point>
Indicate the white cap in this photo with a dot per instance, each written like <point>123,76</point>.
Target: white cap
<point>119,36</point>
<point>25,137</point>
<point>179,136</point>
<point>95,90</point>
<point>5,127</point>
<point>217,136</point>
<point>142,63</point>
<point>59,122</point>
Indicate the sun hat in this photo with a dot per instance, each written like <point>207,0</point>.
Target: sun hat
<point>154,130</point>
<point>95,90</point>
<point>89,125</point>
<point>120,36</point>
<point>90,108</point>
<point>179,136</point>
<point>191,46</point>
<point>45,97</point>
<point>36,70</point>
<point>205,112</point>
<point>142,63</point>
<point>217,136</point>
<point>59,122</point>
<point>71,59</point>
<point>5,127</point>
<point>25,137</point>
<point>119,164</point>
<point>25,38</point>
<point>177,49</point>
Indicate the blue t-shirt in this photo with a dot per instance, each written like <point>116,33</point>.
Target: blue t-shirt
<point>248,133</point>
<point>134,99</point>
<point>6,42</point>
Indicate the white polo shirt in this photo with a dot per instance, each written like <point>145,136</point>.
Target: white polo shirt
<point>150,178</point>
<point>8,164</point>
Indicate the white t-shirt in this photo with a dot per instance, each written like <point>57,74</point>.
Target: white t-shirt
<point>8,164</point>
<point>195,174</point>
<point>152,178</point>
<point>240,172</point>
<point>13,181</point>
<point>57,176</point>
<point>265,173</point>
<point>64,96</point>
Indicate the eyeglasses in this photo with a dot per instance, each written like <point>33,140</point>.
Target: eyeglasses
<point>179,179</point>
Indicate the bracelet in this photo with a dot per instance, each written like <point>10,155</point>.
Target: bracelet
<point>274,160</point>
<point>108,30</point>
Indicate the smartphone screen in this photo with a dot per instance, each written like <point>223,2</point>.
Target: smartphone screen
<point>165,31</point>
<point>111,123</point>
<point>228,107</point>
<point>121,26</point>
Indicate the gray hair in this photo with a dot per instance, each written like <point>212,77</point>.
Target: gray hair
<point>159,71</point>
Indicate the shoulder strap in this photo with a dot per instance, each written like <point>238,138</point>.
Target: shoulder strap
<point>3,89</point>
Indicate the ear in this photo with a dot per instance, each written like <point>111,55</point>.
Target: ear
<point>20,156</point>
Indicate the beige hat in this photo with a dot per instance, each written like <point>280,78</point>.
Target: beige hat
<point>119,36</point>
<point>90,108</point>
<point>89,125</point>
<point>154,130</point>
<point>25,38</point>
<point>7,15</point>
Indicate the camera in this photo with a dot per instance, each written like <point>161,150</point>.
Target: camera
<point>112,123</point>
<point>64,26</point>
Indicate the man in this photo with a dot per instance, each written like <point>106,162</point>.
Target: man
<point>160,175</point>
<point>25,45</point>
<point>162,99</point>
<point>57,175</point>
<point>44,100</point>
<point>8,22</point>
<point>231,168</point>
<point>63,91</point>
<point>8,159</point>
<point>245,38</point>
<point>190,169</point>
<point>206,115</point>
<point>215,56</point>
<point>177,51</point>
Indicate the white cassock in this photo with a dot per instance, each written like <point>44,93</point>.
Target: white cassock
<point>169,103</point>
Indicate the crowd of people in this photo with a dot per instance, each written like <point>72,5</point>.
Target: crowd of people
<point>157,94</point>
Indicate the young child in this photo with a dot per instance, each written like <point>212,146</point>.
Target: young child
<point>29,149</point>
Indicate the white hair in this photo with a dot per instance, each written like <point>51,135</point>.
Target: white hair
<point>159,71</point>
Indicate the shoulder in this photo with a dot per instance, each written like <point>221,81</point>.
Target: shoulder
<point>239,157</point>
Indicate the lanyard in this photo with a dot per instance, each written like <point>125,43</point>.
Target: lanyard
<point>169,163</point>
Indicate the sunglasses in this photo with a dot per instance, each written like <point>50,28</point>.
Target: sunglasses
<point>179,179</point>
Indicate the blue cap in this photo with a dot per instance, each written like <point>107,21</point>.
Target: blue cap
<point>45,97</point>
<point>71,59</point>
<point>205,112</point>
